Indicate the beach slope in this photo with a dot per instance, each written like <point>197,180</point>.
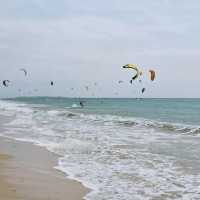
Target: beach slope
<point>26,173</point>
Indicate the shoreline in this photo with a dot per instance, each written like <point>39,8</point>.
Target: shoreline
<point>27,172</point>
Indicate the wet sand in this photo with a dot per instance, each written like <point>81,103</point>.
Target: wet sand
<point>26,173</point>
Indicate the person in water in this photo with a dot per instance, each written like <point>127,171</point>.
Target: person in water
<point>81,104</point>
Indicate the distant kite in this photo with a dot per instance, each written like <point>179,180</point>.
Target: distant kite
<point>152,75</point>
<point>135,68</point>
<point>24,70</point>
<point>5,83</point>
<point>143,90</point>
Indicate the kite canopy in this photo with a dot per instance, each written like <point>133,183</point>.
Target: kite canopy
<point>134,67</point>
<point>24,70</point>
<point>5,83</point>
<point>143,90</point>
<point>152,75</point>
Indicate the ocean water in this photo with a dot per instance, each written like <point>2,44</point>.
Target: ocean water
<point>123,149</point>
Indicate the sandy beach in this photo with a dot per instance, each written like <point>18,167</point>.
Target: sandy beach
<point>27,173</point>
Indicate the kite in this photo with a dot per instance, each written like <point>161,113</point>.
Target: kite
<point>24,70</point>
<point>134,67</point>
<point>6,82</point>
<point>152,75</point>
<point>143,90</point>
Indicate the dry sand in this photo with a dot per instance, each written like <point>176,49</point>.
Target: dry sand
<point>26,173</point>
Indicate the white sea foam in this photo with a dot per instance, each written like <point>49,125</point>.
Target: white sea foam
<point>120,158</point>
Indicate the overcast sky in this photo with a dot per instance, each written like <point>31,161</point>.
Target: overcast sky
<point>77,43</point>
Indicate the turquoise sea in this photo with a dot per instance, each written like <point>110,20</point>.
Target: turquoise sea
<point>122,149</point>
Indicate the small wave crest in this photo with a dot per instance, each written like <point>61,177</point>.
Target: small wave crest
<point>143,123</point>
<point>10,108</point>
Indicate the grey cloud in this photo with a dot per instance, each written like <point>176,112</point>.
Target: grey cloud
<point>76,42</point>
